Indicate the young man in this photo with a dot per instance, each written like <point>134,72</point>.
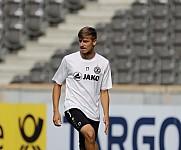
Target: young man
<point>88,78</point>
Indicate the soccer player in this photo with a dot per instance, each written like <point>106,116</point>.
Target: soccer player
<point>88,79</point>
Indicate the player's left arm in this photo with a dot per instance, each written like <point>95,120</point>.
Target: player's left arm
<point>105,106</point>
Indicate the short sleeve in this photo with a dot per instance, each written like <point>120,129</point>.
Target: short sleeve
<point>61,72</point>
<point>107,79</point>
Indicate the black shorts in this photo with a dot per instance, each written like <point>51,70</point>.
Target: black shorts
<point>78,119</point>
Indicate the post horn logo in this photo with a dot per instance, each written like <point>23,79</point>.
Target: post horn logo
<point>30,139</point>
<point>1,135</point>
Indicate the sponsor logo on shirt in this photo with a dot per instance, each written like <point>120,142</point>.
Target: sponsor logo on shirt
<point>77,76</point>
<point>91,77</point>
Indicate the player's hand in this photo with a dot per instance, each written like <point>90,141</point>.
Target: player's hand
<point>57,119</point>
<point>106,122</point>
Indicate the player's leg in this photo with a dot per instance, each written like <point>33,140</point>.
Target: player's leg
<point>81,141</point>
<point>90,137</point>
<point>77,119</point>
<point>95,125</point>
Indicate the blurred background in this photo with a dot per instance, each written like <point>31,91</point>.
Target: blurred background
<point>140,38</point>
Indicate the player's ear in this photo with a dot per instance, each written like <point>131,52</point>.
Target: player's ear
<point>94,42</point>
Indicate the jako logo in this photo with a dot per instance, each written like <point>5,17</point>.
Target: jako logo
<point>91,77</point>
<point>30,139</point>
<point>78,77</point>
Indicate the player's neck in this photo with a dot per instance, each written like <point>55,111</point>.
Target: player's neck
<point>88,55</point>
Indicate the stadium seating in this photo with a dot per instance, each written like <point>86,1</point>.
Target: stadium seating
<point>24,20</point>
<point>153,31</point>
<point>142,43</point>
<point>21,79</point>
<point>74,5</point>
<point>13,23</point>
<point>34,20</point>
<point>55,11</point>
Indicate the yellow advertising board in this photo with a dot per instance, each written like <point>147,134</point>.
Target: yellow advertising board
<point>22,126</point>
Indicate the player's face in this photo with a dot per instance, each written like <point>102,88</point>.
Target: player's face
<point>87,45</point>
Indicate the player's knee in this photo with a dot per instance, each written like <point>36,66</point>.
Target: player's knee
<point>90,136</point>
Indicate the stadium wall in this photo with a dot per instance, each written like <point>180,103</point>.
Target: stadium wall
<point>141,117</point>
<point>119,94</point>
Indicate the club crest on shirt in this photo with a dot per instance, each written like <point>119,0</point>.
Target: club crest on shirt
<point>97,69</point>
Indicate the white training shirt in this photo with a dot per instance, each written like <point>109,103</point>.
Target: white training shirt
<point>84,80</point>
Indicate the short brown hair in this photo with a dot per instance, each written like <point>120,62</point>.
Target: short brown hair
<point>88,31</point>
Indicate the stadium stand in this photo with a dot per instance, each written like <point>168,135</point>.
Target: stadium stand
<point>142,41</point>
<point>13,22</point>
<point>34,18</point>
<point>74,5</point>
<point>61,36</point>
<point>55,11</point>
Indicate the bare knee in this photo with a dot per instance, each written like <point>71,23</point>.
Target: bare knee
<point>90,136</point>
<point>89,133</point>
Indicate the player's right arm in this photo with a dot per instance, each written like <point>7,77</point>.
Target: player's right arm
<point>56,98</point>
